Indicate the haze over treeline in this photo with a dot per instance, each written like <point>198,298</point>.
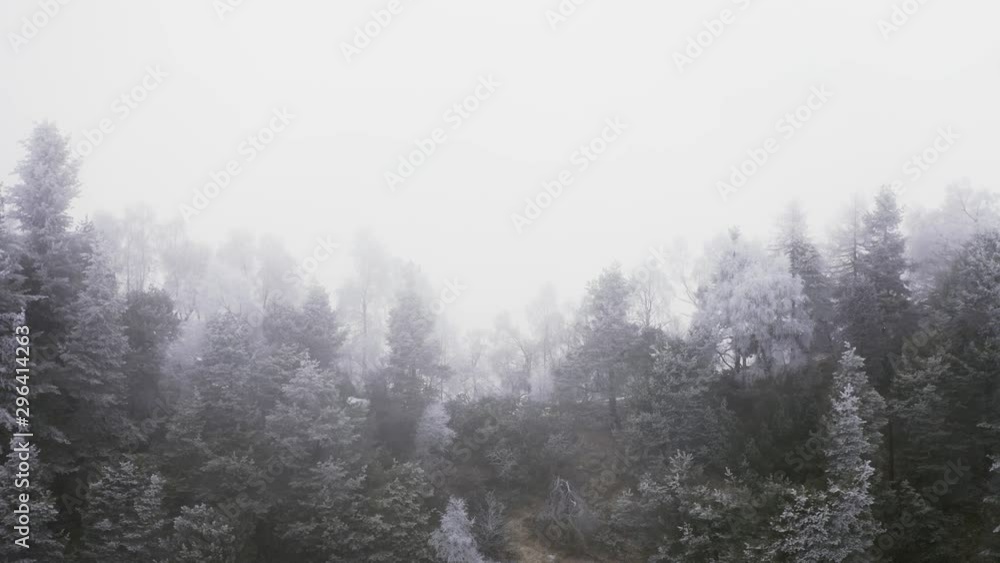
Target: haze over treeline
<point>788,398</point>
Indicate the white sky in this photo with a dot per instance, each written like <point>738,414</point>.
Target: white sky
<point>324,175</point>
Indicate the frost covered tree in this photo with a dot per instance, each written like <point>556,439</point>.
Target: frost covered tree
<point>753,308</point>
<point>453,541</point>
<point>202,534</point>
<point>47,538</point>
<point>433,435</point>
<point>124,520</point>
<point>992,502</point>
<point>835,524</point>
<point>806,263</point>
<point>871,406</point>
<point>598,362</point>
<point>414,365</point>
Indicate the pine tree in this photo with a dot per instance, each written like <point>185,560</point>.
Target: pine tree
<point>885,266</point>
<point>677,409</point>
<point>150,325</point>
<point>433,436</point>
<point>320,441</point>
<point>871,406</point>
<point>398,521</point>
<point>47,540</point>
<point>92,381</point>
<point>992,504</point>
<point>414,363</point>
<point>320,331</point>
<point>202,534</point>
<point>835,524</point>
<point>52,261</point>
<point>124,519</point>
<point>453,541</point>
<point>12,299</point>
<point>921,409</point>
<point>597,364</point>
<point>805,262</point>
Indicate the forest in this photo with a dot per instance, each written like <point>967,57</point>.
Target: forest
<point>800,398</point>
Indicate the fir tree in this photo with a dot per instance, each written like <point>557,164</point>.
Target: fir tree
<point>871,406</point>
<point>124,519</point>
<point>453,541</point>
<point>835,524</point>
<point>46,542</point>
<point>202,534</point>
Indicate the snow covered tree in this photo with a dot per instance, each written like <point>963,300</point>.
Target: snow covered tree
<point>871,406</point>
<point>124,520</point>
<point>398,520</point>
<point>491,528</point>
<point>884,264</point>
<point>597,364</point>
<point>12,299</point>
<point>453,541</point>
<point>365,302</point>
<point>565,520</point>
<point>320,331</point>
<point>91,377</point>
<point>835,524</point>
<point>53,261</point>
<point>202,534</point>
<point>150,326</point>
<point>47,540</point>
<point>938,235</point>
<point>753,308</point>
<point>992,504</point>
<point>407,383</point>
<point>677,409</point>
<point>433,435</point>
<point>806,263</point>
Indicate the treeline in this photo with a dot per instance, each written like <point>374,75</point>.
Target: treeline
<point>190,404</point>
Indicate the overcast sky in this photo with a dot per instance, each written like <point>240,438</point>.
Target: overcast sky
<point>213,77</point>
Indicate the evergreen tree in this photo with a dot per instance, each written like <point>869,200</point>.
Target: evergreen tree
<point>320,331</point>
<point>884,264</point>
<point>124,521</point>
<point>835,524</point>
<point>398,521</point>
<point>453,541</point>
<point>52,261</point>
<point>46,542</point>
<point>433,435</point>
<point>871,406</point>
<point>677,408</point>
<point>319,439</point>
<point>150,325</point>
<point>414,363</point>
<point>598,364</point>
<point>92,381</point>
<point>12,299</point>
<point>806,263</point>
<point>202,534</point>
